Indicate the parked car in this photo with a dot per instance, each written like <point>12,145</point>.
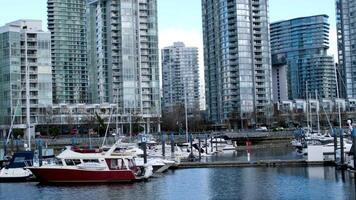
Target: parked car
<point>262,128</point>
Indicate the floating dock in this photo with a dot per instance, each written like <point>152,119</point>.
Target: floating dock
<point>261,163</point>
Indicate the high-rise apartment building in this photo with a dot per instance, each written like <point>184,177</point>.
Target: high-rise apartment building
<point>346,33</point>
<point>180,70</point>
<point>238,74</point>
<point>279,79</point>
<point>67,24</point>
<point>23,44</point>
<point>123,55</point>
<point>299,58</point>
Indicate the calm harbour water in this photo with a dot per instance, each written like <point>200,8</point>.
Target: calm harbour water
<point>218,183</point>
<point>266,153</point>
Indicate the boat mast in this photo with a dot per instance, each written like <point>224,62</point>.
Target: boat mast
<point>338,97</point>
<point>186,111</point>
<point>27,79</point>
<point>117,111</point>
<point>12,123</point>
<point>307,108</point>
<point>317,109</point>
<point>11,100</point>
<point>311,114</point>
<point>130,118</point>
<point>108,126</point>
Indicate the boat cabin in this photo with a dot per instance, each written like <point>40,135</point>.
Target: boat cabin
<point>110,163</point>
<point>120,163</point>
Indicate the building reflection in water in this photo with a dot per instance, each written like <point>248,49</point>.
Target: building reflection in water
<point>281,183</point>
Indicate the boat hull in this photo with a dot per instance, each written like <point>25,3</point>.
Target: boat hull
<point>15,175</point>
<point>53,175</point>
<point>15,179</point>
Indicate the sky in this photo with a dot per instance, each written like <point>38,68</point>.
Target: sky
<point>180,20</point>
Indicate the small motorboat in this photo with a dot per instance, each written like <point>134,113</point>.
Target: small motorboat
<point>15,171</point>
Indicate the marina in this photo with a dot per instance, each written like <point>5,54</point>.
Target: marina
<point>178,99</point>
<point>215,167</point>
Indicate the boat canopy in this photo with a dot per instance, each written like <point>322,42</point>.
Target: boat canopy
<point>21,159</point>
<point>70,154</point>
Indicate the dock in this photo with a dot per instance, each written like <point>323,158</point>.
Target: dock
<point>261,163</point>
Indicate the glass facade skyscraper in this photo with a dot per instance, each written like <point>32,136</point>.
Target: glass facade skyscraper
<point>238,73</point>
<point>180,70</point>
<point>346,33</point>
<point>67,24</point>
<point>24,43</point>
<point>301,46</point>
<point>123,55</point>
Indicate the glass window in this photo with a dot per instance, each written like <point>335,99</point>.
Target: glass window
<point>69,162</point>
<point>114,164</point>
<point>91,160</point>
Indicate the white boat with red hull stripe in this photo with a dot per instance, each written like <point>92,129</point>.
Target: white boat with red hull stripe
<point>100,167</point>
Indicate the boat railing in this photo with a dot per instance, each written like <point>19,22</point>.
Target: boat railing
<point>37,161</point>
<point>28,163</point>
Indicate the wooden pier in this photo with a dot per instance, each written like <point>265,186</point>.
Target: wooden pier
<point>261,163</point>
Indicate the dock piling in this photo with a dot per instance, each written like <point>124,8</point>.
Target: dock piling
<point>206,144</point>
<point>172,144</point>
<point>144,146</point>
<point>342,156</point>
<point>40,157</point>
<point>354,147</point>
<point>199,140</point>
<point>12,144</point>
<point>191,143</point>
<point>335,144</point>
<point>5,149</point>
<point>211,144</point>
<point>17,145</point>
<point>163,145</point>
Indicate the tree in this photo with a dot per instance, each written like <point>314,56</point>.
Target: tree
<point>173,118</point>
<point>234,120</point>
<point>18,133</point>
<point>54,131</point>
<point>102,127</point>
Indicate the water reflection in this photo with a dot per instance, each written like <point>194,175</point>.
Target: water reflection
<point>281,183</point>
<point>218,183</point>
<point>271,153</point>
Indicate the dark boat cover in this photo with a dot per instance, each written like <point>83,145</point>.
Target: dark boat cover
<point>21,159</point>
<point>351,153</point>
